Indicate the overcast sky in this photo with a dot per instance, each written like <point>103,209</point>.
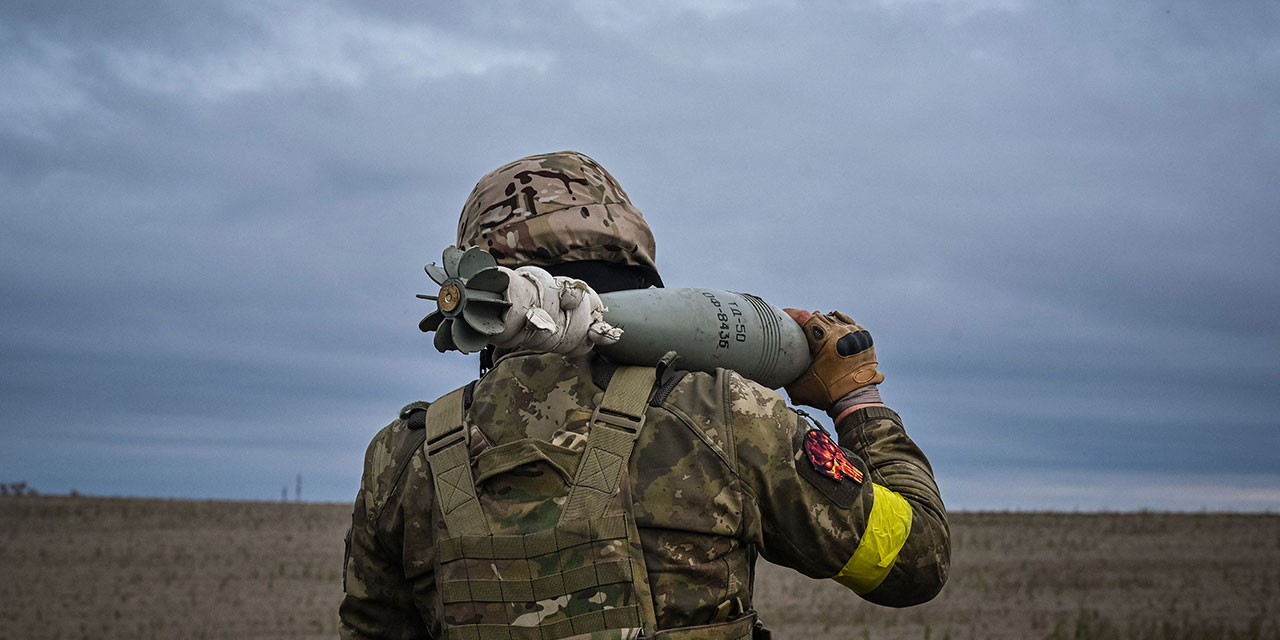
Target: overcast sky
<point>1060,220</point>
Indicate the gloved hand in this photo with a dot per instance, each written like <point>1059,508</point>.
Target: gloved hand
<point>844,359</point>
<point>552,314</point>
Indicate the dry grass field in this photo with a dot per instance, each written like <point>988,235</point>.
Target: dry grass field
<point>130,568</point>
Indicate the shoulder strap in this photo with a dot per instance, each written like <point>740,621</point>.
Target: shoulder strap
<point>614,427</point>
<point>449,455</point>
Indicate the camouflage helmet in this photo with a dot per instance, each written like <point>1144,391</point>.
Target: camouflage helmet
<point>556,208</point>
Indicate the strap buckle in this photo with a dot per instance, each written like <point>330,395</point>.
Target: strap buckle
<point>625,422</point>
<point>447,439</point>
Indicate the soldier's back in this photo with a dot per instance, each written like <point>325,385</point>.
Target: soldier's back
<point>707,442</point>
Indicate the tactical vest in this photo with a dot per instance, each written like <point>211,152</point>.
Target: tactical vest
<point>583,577</point>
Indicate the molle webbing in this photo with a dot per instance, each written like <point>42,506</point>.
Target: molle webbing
<point>542,551</point>
<point>741,629</point>
<point>530,545</point>
<point>548,586</point>
<point>619,618</point>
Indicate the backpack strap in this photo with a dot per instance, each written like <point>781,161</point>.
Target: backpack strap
<point>449,456</point>
<point>615,424</point>
<point>614,427</point>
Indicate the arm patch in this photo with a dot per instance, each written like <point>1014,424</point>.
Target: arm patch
<point>835,472</point>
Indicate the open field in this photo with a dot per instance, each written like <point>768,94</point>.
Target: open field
<point>131,568</point>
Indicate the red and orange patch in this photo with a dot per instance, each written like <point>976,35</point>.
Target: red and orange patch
<point>828,458</point>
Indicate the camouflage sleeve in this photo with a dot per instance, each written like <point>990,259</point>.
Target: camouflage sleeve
<point>866,514</point>
<point>876,435</point>
<point>379,600</point>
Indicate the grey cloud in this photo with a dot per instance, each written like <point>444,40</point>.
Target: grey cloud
<point>1055,218</point>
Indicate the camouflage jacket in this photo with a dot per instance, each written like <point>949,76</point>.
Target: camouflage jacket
<point>723,470</point>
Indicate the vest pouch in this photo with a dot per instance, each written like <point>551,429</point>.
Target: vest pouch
<point>575,578</point>
<point>552,550</point>
<point>507,457</point>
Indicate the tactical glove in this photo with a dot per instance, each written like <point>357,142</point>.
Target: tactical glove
<point>844,359</point>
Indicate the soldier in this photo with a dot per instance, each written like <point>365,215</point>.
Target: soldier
<point>559,497</point>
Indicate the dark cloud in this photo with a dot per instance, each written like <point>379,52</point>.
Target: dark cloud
<point>1058,220</point>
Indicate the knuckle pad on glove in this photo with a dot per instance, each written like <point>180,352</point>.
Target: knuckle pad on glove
<point>853,343</point>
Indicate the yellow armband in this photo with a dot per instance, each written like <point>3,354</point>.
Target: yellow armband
<point>886,532</point>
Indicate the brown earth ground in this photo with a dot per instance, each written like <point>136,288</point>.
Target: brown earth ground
<point>131,568</point>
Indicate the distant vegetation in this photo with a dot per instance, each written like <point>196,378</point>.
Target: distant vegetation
<point>215,569</point>
<point>17,489</point>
